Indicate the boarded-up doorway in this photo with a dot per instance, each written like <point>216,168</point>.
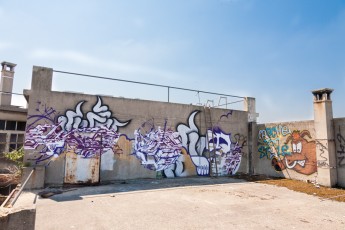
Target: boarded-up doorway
<point>80,170</point>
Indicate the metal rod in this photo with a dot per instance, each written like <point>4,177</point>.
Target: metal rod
<point>168,94</point>
<point>143,83</point>
<point>233,102</point>
<point>8,198</point>
<point>11,93</point>
<point>21,188</point>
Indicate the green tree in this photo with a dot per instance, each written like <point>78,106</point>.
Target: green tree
<point>16,156</point>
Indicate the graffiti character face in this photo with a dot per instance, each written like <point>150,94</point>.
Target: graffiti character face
<point>303,157</point>
<point>219,141</point>
<point>229,153</point>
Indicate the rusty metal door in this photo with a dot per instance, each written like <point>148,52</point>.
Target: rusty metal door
<point>80,170</point>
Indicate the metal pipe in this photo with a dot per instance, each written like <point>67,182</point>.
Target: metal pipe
<point>8,198</point>
<point>4,92</point>
<point>168,94</point>
<point>21,188</point>
<point>228,103</point>
<point>143,83</point>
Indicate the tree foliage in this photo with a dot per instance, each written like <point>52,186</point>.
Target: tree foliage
<point>16,156</point>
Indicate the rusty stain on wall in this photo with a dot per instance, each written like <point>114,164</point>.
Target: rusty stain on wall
<point>81,170</point>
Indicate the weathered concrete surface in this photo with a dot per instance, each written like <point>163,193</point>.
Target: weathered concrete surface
<point>21,216</point>
<point>119,162</point>
<point>188,203</point>
<point>339,126</point>
<point>128,166</point>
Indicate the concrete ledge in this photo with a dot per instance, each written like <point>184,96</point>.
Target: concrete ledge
<point>21,216</point>
<point>16,220</point>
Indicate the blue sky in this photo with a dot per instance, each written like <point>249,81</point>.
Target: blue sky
<point>274,50</point>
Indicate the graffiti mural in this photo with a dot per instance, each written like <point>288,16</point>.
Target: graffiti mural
<point>341,148</point>
<point>323,159</point>
<point>303,157</point>
<point>169,151</point>
<point>158,149</point>
<point>87,142</point>
<point>229,152</point>
<point>44,114</point>
<point>270,144</point>
<point>99,116</point>
<point>227,115</point>
<point>194,144</point>
<point>297,152</point>
<point>161,150</point>
<point>95,135</point>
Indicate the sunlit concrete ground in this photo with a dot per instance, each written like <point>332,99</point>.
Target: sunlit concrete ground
<point>188,203</point>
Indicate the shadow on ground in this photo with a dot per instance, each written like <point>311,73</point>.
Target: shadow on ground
<point>73,192</point>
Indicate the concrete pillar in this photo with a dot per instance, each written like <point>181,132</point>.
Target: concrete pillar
<point>252,146</point>
<point>7,74</point>
<point>42,78</point>
<point>250,107</point>
<point>324,137</point>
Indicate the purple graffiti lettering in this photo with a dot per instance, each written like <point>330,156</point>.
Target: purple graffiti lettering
<point>47,115</point>
<point>86,137</point>
<point>87,142</point>
<point>158,150</point>
<point>341,151</point>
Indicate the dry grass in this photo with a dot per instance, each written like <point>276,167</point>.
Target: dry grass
<point>8,179</point>
<point>9,175</point>
<point>324,193</point>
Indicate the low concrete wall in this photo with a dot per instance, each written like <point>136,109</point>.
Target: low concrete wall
<point>87,138</point>
<point>20,217</point>
<point>339,128</point>
<point>286,149</point>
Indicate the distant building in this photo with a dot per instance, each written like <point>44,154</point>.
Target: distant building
<point>12,118</point>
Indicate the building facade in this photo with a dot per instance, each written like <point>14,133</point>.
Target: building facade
<point>12,118</point>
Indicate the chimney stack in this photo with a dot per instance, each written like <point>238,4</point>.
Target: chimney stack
<point>7,74</point>
<point>324,137</point>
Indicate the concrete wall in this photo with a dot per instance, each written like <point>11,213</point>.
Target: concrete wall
<point>12,115</point>
<point>131,138</point>
<point>286,149</point>
<point>339,128</point>
<point>83,138</point>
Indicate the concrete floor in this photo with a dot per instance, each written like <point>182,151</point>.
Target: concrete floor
<point>189,203</point>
